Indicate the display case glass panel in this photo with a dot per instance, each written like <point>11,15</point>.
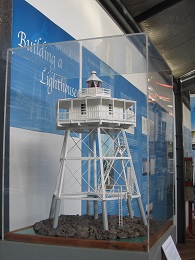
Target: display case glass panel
<point>88,143</point>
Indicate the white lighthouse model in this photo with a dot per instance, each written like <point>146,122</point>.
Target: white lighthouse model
<point>105,171</point>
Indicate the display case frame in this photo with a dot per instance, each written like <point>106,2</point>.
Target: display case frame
<point>40,75</point>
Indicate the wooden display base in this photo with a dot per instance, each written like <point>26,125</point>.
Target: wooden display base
<point>23,235</point>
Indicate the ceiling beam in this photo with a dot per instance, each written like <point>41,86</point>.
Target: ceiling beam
<point>121,15</point>
<point>188,84</point>
<point>155,10</point>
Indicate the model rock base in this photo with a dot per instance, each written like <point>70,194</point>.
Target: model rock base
<point>86,227</point>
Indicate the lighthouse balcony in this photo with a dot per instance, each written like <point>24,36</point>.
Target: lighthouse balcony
<point>94,92</point>
<point>101,117</point>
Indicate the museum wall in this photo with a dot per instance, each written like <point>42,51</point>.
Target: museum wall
<point>81,19</point>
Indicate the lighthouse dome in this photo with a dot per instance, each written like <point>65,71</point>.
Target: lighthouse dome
<point>94,81</point>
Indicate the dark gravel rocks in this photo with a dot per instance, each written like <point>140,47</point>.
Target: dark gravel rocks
<point>86,227</point>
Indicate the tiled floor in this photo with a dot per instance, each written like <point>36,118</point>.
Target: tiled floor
<point>187,250</point>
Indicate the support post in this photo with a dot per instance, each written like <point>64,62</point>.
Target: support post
<point>180,207</point>
<point>89,176</point>
<point>104,209</point>
<point>129,206</point>
<point>139,201</point>
<point>95,203</point>
<point>56,214</point>
<point>53,203</point>
<point>58,190</point>
<point>52,209</point>
<point>104,214</point>
<point>141,209</point>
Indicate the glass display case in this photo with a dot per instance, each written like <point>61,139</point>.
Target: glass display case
<point>88,144</point>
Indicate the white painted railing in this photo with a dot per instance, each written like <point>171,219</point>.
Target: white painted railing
<point>97,115</point>
<point>94,92</point>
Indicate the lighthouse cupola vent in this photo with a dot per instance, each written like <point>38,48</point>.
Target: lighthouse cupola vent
<point>94,81</point>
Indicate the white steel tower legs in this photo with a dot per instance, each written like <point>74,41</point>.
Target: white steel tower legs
<point>92,167</point>
<point>104,208</point>
<point>88,177</point>
<point>139,201</point>
<point>141,209</point>
<point>106,172</point>
<point>95,176</point>
<point>56,200</point>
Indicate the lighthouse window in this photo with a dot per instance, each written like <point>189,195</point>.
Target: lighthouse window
<point>83,109</point>
<point>110,109</point>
